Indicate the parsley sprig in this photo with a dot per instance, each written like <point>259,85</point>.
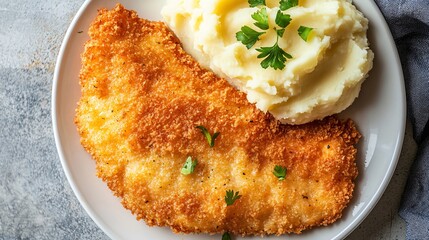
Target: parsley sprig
<point>280,172</point>
<point>231,197</point>
<point>273,56</point>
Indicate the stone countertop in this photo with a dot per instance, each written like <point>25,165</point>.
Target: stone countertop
<point>36,201</point>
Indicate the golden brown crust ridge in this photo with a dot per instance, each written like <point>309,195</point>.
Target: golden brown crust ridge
<point>142,98</point>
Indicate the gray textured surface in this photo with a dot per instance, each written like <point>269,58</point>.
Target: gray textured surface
<point>36,202</point>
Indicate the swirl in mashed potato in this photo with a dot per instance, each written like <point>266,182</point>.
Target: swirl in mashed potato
<point>323,77</point>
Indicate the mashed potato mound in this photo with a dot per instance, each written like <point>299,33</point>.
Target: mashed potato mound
<point>323,77</point>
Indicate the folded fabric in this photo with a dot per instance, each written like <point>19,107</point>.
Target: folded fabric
<point>409,23</point>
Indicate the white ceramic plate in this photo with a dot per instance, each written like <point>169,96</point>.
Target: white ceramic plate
<point>379,113</point>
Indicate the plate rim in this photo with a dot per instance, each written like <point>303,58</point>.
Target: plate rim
<point>65,166</point>
<point>399,141</point>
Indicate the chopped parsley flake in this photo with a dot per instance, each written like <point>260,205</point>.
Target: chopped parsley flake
<point>280,172</point>
<point>189,166</point>
<point>304,32</point>
<point>231,197</point>
<point>226,236</point>
<point>210,138</point>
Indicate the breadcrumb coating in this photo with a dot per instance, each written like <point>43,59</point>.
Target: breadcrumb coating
<point>142,98</point>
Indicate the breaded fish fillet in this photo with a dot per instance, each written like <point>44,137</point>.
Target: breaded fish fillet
<point>142,98</point>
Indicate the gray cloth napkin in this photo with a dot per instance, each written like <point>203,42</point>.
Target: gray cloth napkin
<point>409,22</point>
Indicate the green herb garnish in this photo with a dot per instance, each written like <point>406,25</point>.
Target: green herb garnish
<point>280,172</point>
<point>304,32</point>
<point>286,4</point>
<point>255,3</point>
<point>280,32</point>
<point>226,236</point>
<point>210,138</point>
<point>189,166</point>
<point>275,56</point>
<point>283,20</point>
<point>261,18</point>
<point>231,197</point>
<point>248,36</point>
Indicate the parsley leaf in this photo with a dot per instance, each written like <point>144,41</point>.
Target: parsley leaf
<point>261,18</point>
<point>248,36</point>
<point>275,57</point>
<point>255,3</point>
<point>226,236</point>
<point>286,4</point>
<point>280,172</point>
<point>189,166</point>
<point>304,32</point>
<point>283,20</point>
<point>230,197</point>
<point>210,138</point>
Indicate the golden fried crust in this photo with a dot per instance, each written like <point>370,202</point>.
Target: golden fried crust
<point>142,98</point>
